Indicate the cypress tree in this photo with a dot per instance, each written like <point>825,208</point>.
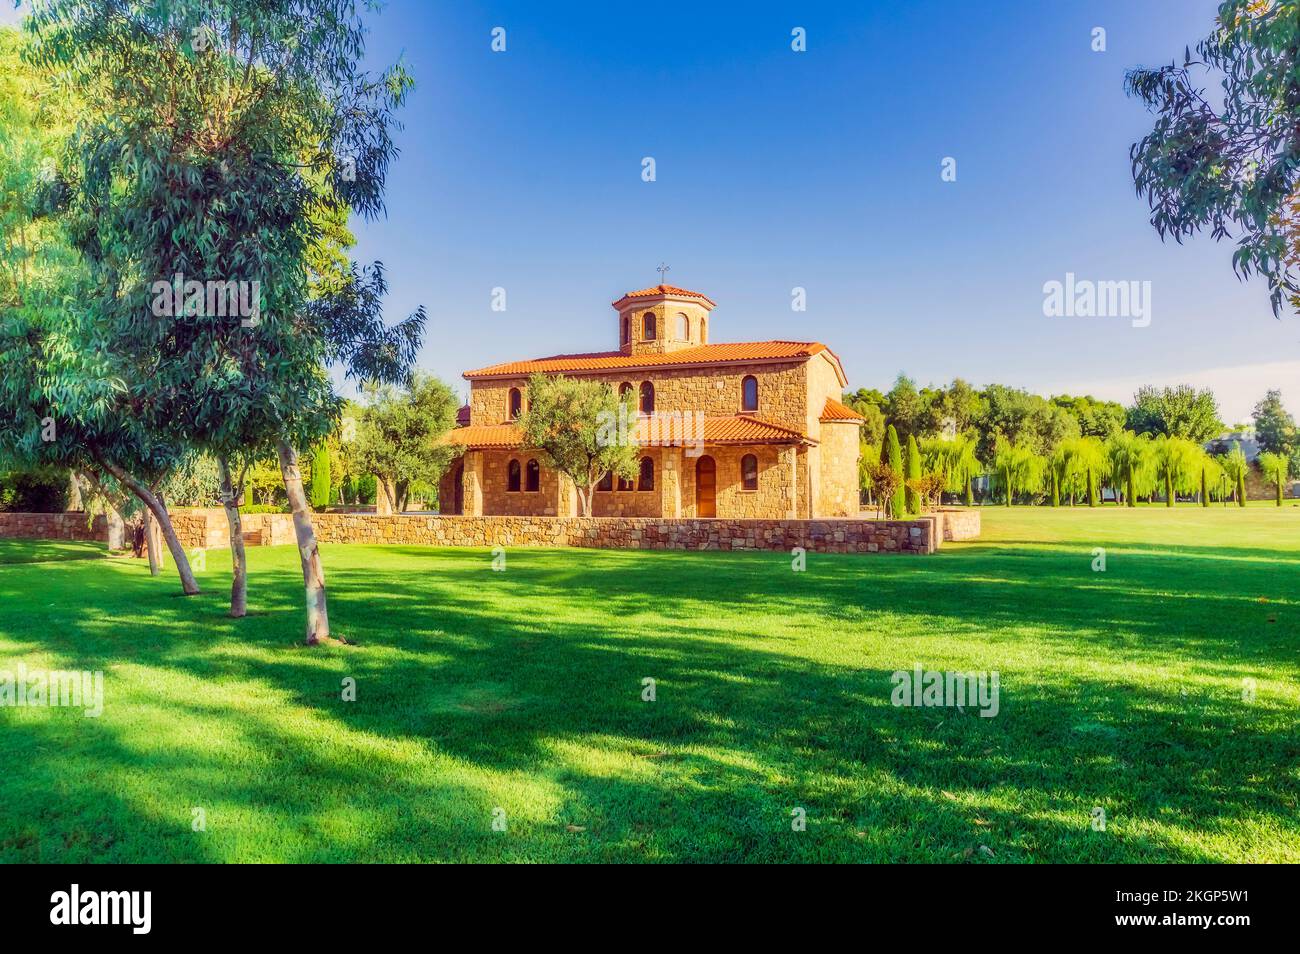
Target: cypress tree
<point>320,478</point>
<point>913,499</point>
<point>894,452</point>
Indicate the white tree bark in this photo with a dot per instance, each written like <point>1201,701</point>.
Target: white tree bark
<point>313,573</point>
<point>159,513</point>
<point>239,560</point>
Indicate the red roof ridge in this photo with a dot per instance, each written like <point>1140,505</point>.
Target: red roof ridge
<point>671,291</point>
<point>723,351</point>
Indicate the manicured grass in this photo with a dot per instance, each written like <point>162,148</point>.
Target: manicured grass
<point>521,691</point>
<point>46,551</point>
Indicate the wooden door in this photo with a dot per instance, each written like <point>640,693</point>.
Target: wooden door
<point>706,487</point>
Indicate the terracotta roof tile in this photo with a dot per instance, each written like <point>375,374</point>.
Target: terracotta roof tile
<point>662,430</point>
<point>656,290</point>
<point>739,351</point>
<point>835,411</point>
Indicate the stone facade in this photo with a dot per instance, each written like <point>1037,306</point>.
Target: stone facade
<point>811,472</point>
<point>53,526</point>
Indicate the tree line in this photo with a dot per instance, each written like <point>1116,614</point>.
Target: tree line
<point>919,444</point>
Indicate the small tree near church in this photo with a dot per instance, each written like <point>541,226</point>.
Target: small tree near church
<point>583,430</point>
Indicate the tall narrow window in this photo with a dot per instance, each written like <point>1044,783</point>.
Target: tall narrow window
<point>647,397</point>
<point>646,479</point>
<point>623,390</point>
<point>532,476</point>
<point>749,393</point>
<point>516,403</point>
<point>627,329</point>
<point>648,326</point>
<point>749,472</point>
<point>683,328</point>
<point>512,476</point>
<point>606,482</point>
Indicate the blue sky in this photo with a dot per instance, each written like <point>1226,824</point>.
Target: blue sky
<point>820,169</point>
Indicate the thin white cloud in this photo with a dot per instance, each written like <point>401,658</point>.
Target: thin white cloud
<point>1237,387</point>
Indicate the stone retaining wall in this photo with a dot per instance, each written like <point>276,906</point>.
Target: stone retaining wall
<point>52,526</point>
<point>207,529</point>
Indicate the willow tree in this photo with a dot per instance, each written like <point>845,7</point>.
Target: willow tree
<point>1176,461</point>
<point>1020,469</point>
<point>1130,459</point>
<point>1275,467</point>
<point>221,149</point>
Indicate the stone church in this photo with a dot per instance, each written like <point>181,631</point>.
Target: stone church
<point>742,430</point>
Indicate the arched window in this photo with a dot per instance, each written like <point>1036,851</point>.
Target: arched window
<point>646,480</point>
<point>749,393</point>
<point>627,329</point>
<point>606,482</point>
<point>516,405</point>
<point>532,476</point>
<point>749,472</point>
<point>512,476</point>
<point>647,397</point>
<point>683,328</point>
<point>623,390</point>
<point>648,326</point>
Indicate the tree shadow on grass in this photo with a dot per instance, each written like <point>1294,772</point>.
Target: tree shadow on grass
<point>477,693</point>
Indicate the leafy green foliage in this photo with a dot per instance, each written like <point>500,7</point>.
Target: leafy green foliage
<point>398,432</point>
<point>1229,167</point>
<point>583,429</point>
<point>1181,411</point>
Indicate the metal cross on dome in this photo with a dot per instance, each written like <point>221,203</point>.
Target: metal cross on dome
<point>662,270</point>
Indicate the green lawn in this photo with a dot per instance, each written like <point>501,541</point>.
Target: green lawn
<point>46,551</point>
<point>521,691</point>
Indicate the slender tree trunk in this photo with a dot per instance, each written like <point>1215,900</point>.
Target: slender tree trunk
<point>159,513</point>
<point>1205,490</point>
<point>1279,492</point>
<point>313,573</point>
<point>1241,491</point>
<point>1130,492</point>
<point>1169,490</point>
<point>152,544</point>
<point>970,493</point>
<point>238,559</point>
<point>116,524</point>
<point>1092,489</point>
<point>1008,476</point>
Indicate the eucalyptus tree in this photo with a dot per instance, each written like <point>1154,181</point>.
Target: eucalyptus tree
<point>222,146</point>
<point>61,404</point>
<point>1226,164</point>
